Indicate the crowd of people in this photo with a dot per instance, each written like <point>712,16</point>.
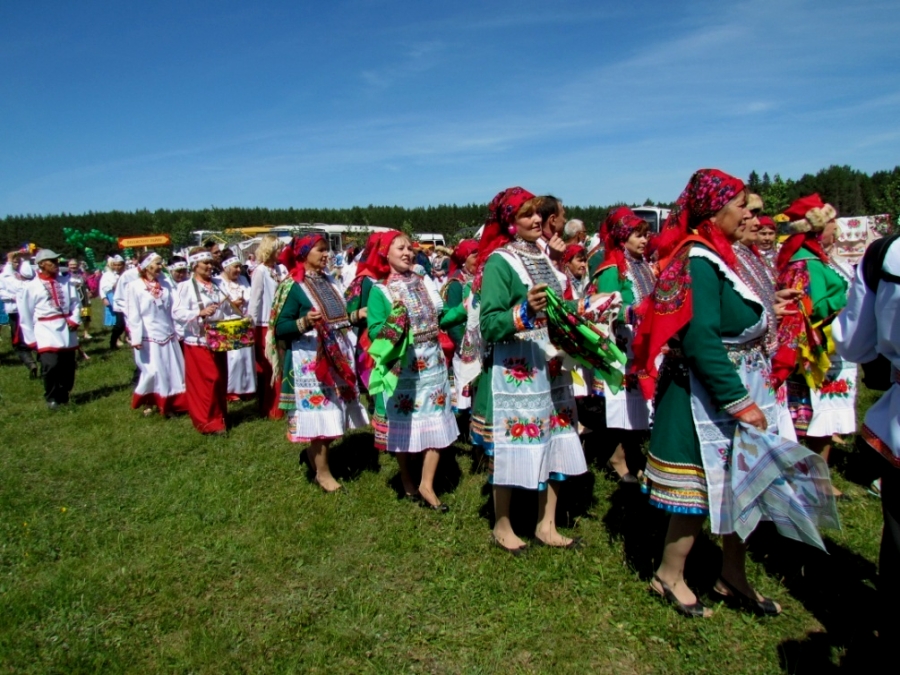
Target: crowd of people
<point>733,354</point>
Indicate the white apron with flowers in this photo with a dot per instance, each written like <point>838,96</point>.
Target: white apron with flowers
<point>534,417</point>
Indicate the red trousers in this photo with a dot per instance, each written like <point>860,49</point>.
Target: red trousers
<point>206,381</point>
<point>267,392</point>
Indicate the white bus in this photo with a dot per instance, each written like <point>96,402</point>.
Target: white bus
<point>654,216</point>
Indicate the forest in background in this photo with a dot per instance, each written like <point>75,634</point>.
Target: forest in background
<point>852,193</point>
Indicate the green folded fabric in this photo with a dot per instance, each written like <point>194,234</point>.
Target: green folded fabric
<point>589,344</point>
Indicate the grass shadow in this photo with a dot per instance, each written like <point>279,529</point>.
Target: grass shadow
<point>856,461</point>
<point>353,455</point>
<point>240,412</point>
<point>837,588</point>
<point>101,392</point>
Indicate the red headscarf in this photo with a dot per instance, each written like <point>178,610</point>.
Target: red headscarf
<point>670,307</point>
<point>707,192</point>
<point>375,265</point>
<point>294,254</point>
<point>811,214</point>
<point>501,216</point>
<point>366,255</point>
<point>615,230</point>
<point>766,223</point>
<point>572,250</point>
<point>461,253</point>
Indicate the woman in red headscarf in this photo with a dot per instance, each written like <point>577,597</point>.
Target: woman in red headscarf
<point>409,382</point>
<point>319,384</point>
<point>575,266</point>
<point>709,325</point>
<point>457,291</point>
<point>625,270</point>
<point>357,297</point>
<point>821,385</point>
<point>524,414</point>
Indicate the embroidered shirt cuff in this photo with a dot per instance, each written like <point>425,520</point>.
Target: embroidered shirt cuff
<point>521,317</point>
<point>738,406</point>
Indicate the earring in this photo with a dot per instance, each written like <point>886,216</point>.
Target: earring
<point>512,230</point>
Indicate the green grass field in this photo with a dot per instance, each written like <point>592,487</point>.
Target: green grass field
<point>136,545</point>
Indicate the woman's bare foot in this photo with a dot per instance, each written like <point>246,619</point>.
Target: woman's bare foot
<point>328,483</point>
<point>552,538</point>
<point>508,539</point>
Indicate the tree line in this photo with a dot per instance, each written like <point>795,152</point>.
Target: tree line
<point>852,192</point>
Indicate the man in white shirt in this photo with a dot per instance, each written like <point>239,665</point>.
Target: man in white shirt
<point>16,273</point>
<point>869,327</point>
<point>50,315</point>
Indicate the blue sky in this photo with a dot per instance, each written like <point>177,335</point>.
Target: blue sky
<point>127,105</point>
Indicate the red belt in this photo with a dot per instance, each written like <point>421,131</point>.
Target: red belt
<point>53,318</point>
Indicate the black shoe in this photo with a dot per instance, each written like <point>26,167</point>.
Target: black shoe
<point>629,479</point>
<point>52,405</point>
<point>764,607</point>
<point>440,508</point>
<point>694,611</point>
<point>415,498</point>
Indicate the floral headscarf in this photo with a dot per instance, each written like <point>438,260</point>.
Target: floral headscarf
<point>708,191</point>
<point>616,230</point>
<point>293,255</point>
<point>501,216</point>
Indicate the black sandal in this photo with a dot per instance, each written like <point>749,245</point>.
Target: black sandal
<point>764,607</point>
<point>694,611</point>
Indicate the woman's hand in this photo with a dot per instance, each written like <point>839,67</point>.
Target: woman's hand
<point>788,295</point>
<point>753,416</point>
<point>537,298</point>
<point>363,313</point>
<point>314,316</point>
<point>209,310</point>
<point>784,301</point>
<point>105,302</point>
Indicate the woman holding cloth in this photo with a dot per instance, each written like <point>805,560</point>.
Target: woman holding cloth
<point>148,315</point>
<point>199,301</point>
<point>524,414</point>
<point>319,388</point>
<point>409,382</point>
<point>711,327</point>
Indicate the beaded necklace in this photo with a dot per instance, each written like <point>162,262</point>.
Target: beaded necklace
<point>536,264</point>
<point>326,298</point>
<point>755,273</point>
<point>410,290</point>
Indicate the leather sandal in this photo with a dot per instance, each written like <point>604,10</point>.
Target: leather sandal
<point>695,611</point>
<point>764,607</point>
